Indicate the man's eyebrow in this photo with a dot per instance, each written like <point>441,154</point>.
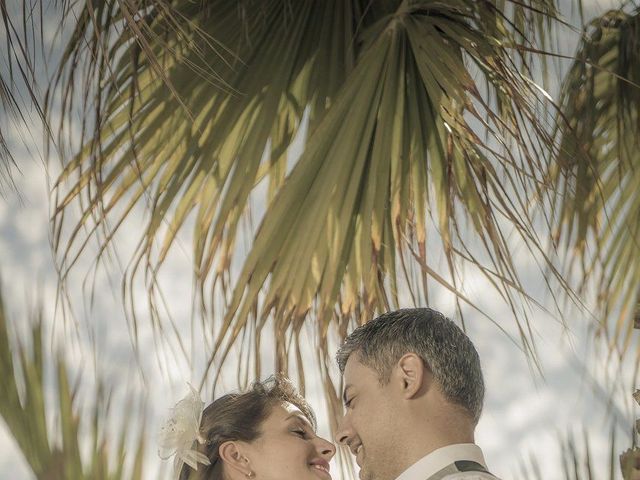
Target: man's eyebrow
<point>344,393</point>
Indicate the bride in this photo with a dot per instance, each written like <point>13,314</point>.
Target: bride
<point>264,433</point>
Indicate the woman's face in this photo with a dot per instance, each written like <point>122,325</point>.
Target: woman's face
<point>288,448</point>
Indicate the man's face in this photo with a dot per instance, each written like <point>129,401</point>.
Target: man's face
<point>367,427</point>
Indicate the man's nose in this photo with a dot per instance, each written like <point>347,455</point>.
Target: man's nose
<point>343,433</point>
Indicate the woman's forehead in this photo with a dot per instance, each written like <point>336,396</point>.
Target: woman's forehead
<point>291,409</point>
<point>284,411</point>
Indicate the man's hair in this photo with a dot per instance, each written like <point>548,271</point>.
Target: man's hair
<point>443,347</point>
<point>239,416</point>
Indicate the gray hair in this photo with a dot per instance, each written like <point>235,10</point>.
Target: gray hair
<point>440,343</point>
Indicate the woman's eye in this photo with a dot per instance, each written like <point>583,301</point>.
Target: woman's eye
<point>301,433</point>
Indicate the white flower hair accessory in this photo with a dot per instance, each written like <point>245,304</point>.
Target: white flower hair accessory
<point>178,433</point>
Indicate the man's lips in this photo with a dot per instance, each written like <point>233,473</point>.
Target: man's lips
<point>357,454</point>
<point>355,449</point>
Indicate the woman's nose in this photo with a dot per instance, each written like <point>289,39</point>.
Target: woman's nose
<point>326,448</point>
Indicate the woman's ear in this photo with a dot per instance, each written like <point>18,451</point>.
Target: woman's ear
<point>413,374</point>
<point>232,455</point>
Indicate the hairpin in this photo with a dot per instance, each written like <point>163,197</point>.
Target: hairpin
<point>180,431</point>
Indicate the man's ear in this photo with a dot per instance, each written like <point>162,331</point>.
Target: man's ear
<point>413,374</point>
<point>232,455</point>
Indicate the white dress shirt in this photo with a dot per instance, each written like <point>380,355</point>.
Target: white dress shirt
<point>441,458</point>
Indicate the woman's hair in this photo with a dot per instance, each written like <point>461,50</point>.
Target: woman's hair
<point>239,416</point>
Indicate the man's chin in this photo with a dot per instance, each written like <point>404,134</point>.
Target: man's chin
<point>364,474</point>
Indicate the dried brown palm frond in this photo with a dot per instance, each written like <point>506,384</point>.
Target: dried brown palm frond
<point>18,81</point>
<point>418,112</point>
<point>598,168</point>
<point>7,161</point>
<point>28,413</point>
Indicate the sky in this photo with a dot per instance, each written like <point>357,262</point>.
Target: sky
<point>525,412</point>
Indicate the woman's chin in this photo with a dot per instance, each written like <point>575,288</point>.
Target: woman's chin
<point>320,472</point>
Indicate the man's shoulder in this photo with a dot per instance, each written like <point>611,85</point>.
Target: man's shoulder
<point>469,470</point>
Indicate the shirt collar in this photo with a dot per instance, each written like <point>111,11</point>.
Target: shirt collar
<point>440,458</point>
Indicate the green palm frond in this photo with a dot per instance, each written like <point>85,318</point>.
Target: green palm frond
<point>419,113</point>
<point>394,149</point>
<point>598,166</point>
<point>188,136</point>
<point>56,454</point>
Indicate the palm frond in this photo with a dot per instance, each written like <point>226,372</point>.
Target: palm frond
<point>57,453</point>
<point>576,460</point>
<point>18,82</point>
<point>394,148</point>
<point>421,124</point>
<point>202,146</point>
<point>597,170</point>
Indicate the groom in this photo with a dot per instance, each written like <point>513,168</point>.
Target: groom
<point>413,394</point>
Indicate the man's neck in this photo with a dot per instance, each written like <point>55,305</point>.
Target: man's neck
<point>442,459</point>
<point>423,438</point>
<point>424,447</point>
